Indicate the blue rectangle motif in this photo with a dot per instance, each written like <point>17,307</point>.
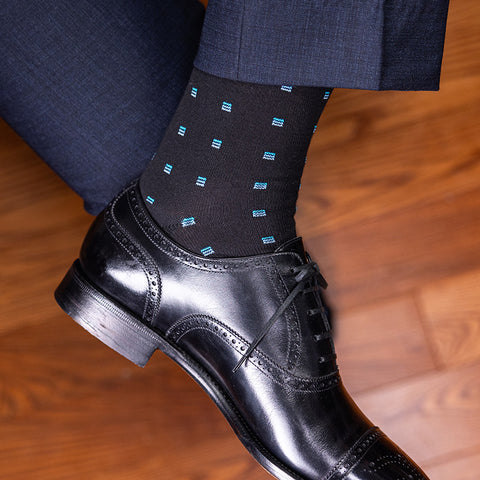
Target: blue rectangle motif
<point>186,222</point>
<point>207,251</point>
<point>216,143</point>
<point>278,122</point>
<point>267,240</point>
<point>201,181</point>
<point>259,213</point>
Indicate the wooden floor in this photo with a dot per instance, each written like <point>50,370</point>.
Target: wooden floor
<point>389,207</point>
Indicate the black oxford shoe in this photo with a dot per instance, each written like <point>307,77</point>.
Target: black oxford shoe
<point>251,331</point>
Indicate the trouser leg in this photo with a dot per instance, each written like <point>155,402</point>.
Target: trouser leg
<point>368,44</point>
<point>91,85</point>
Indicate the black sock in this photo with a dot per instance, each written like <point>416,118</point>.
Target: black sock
<point>225,179</point>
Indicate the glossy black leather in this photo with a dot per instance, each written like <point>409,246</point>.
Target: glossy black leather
<point>289,392</point>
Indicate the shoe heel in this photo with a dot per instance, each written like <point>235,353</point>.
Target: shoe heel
<point>104,319</point>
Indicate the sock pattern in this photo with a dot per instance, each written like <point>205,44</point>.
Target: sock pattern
<point>224,181</point>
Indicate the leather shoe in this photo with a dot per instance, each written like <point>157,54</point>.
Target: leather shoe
<point>251,331</point>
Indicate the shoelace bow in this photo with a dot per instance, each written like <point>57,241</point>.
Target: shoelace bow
<point>308,273</point>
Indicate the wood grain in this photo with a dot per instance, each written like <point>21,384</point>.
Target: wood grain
<point>463,468</point>
<point>42,226</point>
<point>388,153</point>
<point>397,252</point>
<point>431,416</point>
<point>389,332</point>
<point>72,408</point>
<point>452,311</point>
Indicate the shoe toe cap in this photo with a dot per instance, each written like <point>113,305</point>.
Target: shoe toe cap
<point>385,461</point>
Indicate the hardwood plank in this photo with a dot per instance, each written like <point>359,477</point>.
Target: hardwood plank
<point>39,253</point>
<point>464,468</point>
<point>432,415</point>
<point>25,179</point>
<point>452,311</point>
<point>381,343</point>
<point>41,229</point>
<point>389,151</point>
<point>396,253</point>
<point>462,39</point>
<point>64,417</point>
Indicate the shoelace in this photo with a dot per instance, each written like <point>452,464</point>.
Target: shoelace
<point>304,274</point>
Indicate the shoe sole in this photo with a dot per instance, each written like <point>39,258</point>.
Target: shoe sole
<point>125,333</point>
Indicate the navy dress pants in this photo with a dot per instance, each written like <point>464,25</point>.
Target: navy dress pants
<point>91,85</point>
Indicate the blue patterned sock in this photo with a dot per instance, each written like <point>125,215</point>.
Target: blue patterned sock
<point>224,181</point>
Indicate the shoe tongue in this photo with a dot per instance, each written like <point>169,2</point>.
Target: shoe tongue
<point>295,245</point>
